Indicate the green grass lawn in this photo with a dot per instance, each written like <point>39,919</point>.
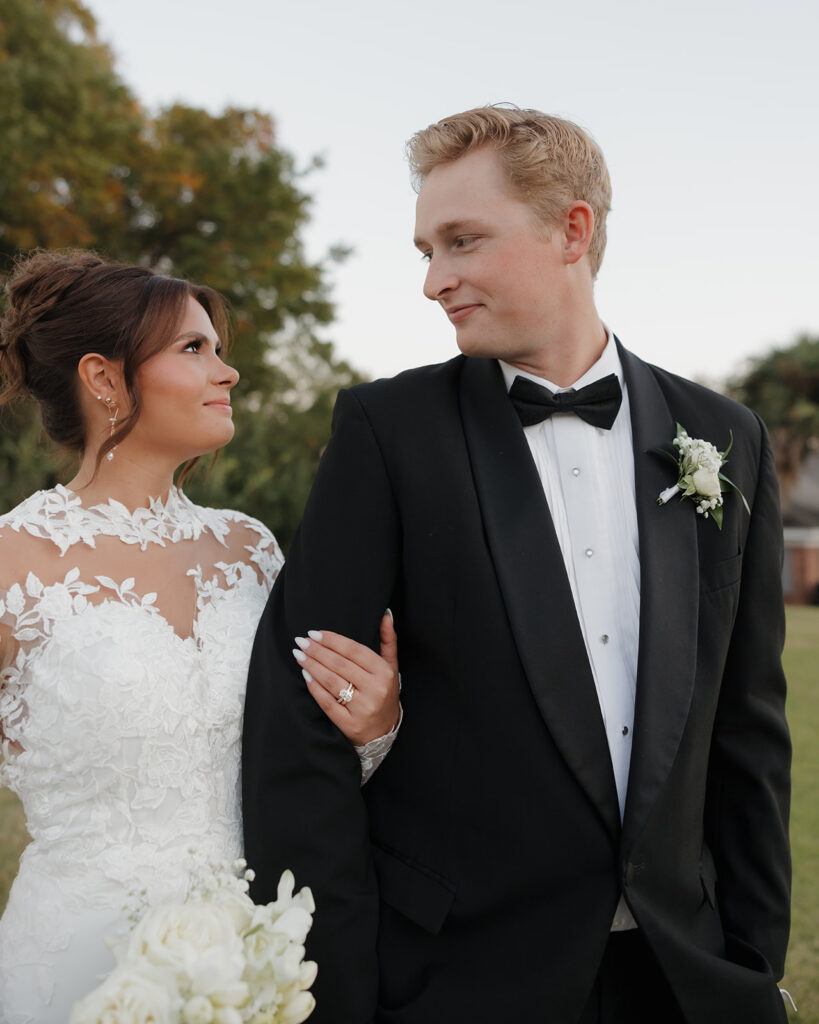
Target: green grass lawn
<point>13,837</point>
<point>802,666</point>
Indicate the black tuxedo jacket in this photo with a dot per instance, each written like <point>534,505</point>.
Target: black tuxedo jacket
<point>475,877</point>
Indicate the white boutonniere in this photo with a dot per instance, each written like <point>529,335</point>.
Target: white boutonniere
<point>698,465</point>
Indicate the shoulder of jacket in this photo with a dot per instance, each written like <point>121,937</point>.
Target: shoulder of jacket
<point>682,393</point>
<point>421,383</point>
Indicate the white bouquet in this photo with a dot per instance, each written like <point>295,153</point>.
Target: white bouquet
<point>212,958</point>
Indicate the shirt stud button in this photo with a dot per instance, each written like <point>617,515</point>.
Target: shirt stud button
<point>604,639</point>
<point>625,730</point>
<point>576,471</point>
<point>589,552</point>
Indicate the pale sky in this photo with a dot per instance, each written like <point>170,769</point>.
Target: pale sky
<point>706,112</point>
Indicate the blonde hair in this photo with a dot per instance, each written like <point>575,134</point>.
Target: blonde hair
<point>550,162</point>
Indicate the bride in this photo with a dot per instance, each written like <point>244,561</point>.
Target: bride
<point>127,615</point>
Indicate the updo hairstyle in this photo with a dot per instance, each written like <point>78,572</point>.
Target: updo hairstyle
<point>62,306</point>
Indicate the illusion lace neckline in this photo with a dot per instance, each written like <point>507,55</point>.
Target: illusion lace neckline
<point>174,508</point>
<point>59,515</point>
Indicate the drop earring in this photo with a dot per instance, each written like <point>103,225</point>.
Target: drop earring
<point>112,408</point>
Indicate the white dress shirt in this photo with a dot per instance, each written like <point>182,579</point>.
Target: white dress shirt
<point>587,474</point>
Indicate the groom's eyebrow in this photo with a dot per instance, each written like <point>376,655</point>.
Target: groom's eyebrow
<point>447,228</point>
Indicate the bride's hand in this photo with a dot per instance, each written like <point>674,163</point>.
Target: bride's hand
<point>332,663</point>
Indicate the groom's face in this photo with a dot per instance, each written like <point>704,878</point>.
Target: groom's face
<point>497,271</point>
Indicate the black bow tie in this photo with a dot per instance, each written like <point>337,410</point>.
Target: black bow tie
<point>597,403</point>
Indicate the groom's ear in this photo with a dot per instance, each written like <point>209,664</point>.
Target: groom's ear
<point>578,228</point>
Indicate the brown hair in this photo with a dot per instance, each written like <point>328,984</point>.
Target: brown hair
<point>550,162</point>
<point>64,305</point>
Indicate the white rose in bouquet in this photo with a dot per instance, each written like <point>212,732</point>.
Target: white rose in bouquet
<point>274,947</point>
<point>198,1010</point>
<point>199,944</point>
<point>127,996</point>
<point>214,958</point>
<point>235,902</point>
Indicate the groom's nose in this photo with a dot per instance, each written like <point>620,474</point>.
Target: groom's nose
<point>440,278</point>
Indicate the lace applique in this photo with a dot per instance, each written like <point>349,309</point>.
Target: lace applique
<point>120,733</point>
<point>59,516</point>
<point>92,656</point>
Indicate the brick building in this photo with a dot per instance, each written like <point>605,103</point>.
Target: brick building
<point>800,515</point>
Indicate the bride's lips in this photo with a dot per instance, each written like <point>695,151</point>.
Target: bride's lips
<point>458,313</point>
<point>220,404</point>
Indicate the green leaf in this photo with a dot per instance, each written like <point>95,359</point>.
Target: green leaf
<point>732,486</point>
<point>666,453</point>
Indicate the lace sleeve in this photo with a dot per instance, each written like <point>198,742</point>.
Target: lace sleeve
<point>373,753</point>
<point>11,705</point>
<point>7,621</point>
<point>261,547</point>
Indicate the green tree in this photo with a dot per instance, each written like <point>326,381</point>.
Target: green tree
<point>208,197</point>
<point>68,125</point>
<point>783,388</point>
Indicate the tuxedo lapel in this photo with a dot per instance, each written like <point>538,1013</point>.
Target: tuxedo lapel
<point>533,582</point>
<point>669,590</point>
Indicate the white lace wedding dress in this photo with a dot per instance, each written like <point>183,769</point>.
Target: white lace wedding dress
<point>125,639</point>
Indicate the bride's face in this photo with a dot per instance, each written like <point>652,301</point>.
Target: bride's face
<point>186,392</point>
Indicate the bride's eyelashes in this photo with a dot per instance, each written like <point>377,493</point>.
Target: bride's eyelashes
<point>196,345</point>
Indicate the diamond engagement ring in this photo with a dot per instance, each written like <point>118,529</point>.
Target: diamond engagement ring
<point>345,695</point>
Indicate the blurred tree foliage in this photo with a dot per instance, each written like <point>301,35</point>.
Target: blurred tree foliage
<point>783,388</point>
<point>207,197</point>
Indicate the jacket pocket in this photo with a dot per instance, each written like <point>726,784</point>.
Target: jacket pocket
<point>717,575</point>
<point>413,890</point>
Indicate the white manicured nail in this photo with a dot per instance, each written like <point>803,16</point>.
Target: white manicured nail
<point>299,655</point>
<point>302,642</point>
<point>307,677</point>
<point>315,634</point>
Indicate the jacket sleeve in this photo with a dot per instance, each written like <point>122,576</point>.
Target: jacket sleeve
<point>302,803</point>
<point>749,772</point>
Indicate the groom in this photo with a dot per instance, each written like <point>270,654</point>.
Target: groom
<point>584,816</point>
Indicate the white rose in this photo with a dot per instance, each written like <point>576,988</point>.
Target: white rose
<point>223,994</point>
<point>198,1010</point>
<point>238,904</point>
<point>227,1015</point>
<point>125,997</point>
<point>196,941</point>
<point>706,482</point>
